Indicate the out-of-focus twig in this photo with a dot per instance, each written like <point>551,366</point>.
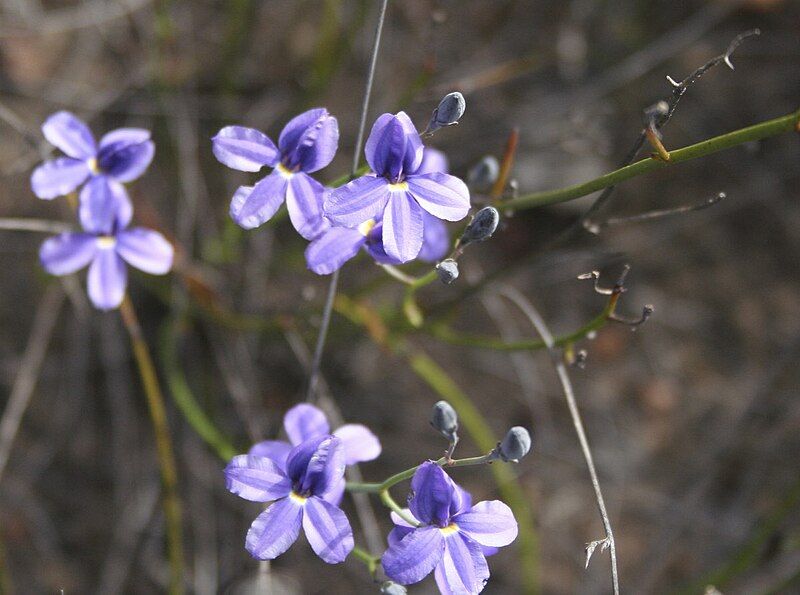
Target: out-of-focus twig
<point>38,225</point>
<point>597,227</point>
<point>561,370</point>
<point>29,367</point>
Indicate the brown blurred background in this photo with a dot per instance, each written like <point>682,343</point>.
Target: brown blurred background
<point>694,419</point>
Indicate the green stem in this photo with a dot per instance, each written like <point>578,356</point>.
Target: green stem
<point>410,307</point>
<point>756,132</point>
<point>389,503</point>
<point>368,559</point>
<point>183,397</point>
<point>166,456</point>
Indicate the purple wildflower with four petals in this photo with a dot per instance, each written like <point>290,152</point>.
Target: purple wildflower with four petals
<point>307,144</point>
<point>396,192</point>
<point>122,156</point>
<point>107,245</point>
<point>304,494</point>
<point>453,537</point>
<point>337,245</point>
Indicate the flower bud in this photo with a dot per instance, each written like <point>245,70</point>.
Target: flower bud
<point>515,444</point>
<point>449,111</point>
<point>393,588</point>
<point>444,419</point>
<point>447,271</point>
<point>482,226</point>
<point>483,174</point>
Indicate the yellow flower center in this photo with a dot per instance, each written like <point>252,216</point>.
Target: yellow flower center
<point>106,242</point>
<point>449,529</point>
<point>298,498</point>
<point>94,167</point>
<point>284,171</point>
<point>400,186</point>
<point>366,227</point>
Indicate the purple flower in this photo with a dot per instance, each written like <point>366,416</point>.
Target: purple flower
<point>304,421</point>
<point>306,144</point>
<point>453,537</point>
<point>107,245</point>
<point>122,156</point>
<point>396,192</point>
<point>303,491</point>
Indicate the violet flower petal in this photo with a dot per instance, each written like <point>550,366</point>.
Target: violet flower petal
<point>397,534</point>
<point>125,161</point>
<point>332,249</point>
<point>325,469</point>
<point>309,141</point>
<point>107,279</point>
<point>67,253</point>
<point>463,568</point>
<point>432,490</point>
<point>435,239</point>
<point>386,147</point>
<point>328,530</point>
<point>104,206</point>
<point>304,421</point>
<point>402,227</point>
<point>124,137</point>
<point>442,195</point>
<point>275,529</point>
<point>69,133</point>
<point>300,456</point>
<point>362,199</point>
<point>400,521</point>
<point>275,450</point>
<point>146,250</point>
<point>255,478</point>
<point>360,444</point>
<point>413,558</point>
<point>461,500</point>
<point>58,177</point>
<point>489,523</point>
<point>433,161</point>
<point>244,149</point>
<point>254,207</point>
<point>304,203</point>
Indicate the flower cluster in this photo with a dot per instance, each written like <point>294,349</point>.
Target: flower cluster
<point>396,212</point>
<point>441,531</point>
<point>104,208</point>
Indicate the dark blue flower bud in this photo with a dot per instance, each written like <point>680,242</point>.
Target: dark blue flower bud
<point>448,112</point>
<point>393,588</point>
<point>482,226</point>
<point>515,444</point>
<point>447,271</point>
<point>483,174</point>
<point>444,419</point>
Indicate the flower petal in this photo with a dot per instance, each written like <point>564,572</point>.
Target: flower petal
<point>145,249</point>
<point>275,529</point>
<point>442,195</point>
<point>359,443</point>
<point>316,466</point>
<point>402,227</point>
<point>125,136</point>
<point>245,149</point>
<point>332,249</point>
<point>305,421</point>
<point>304,202</point>
<point>275,450</point>
<point>413,558</point>
<point>58,177</point>
<point>397,534</point>
<point>104,206</point>
<point>69,133</point>
<point>68,252</point>
<point>489,523</point>
<point>360,200</point>
<point>433,161</point>
<point>124,160</point>
<point>393,146</point>
<point>328,530</point>
<point>309,141</point>
<point>463,568</point>
<point>435,239</point>
<point>107,279</point>
<point>432,490</point>
<point>400,521</point>
<point>460,501</point>
<point>254,206</point>
<point>256,478</point>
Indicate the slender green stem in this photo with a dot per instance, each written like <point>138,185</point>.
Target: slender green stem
<point>410,307</point>
<point>166,456</point>
<point>368,559</point>
<point>389,502</point>
<point>756,132</point>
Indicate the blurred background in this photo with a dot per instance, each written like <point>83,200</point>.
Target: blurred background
<point>694,419</point>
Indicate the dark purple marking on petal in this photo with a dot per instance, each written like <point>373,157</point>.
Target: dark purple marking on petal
<point>358,201</point>
<point>415,556</point>
<point>328,530</point>
<point>255,478</point>
<point>432,492</point>
<point>244,149</point>
<point>275,529</point>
